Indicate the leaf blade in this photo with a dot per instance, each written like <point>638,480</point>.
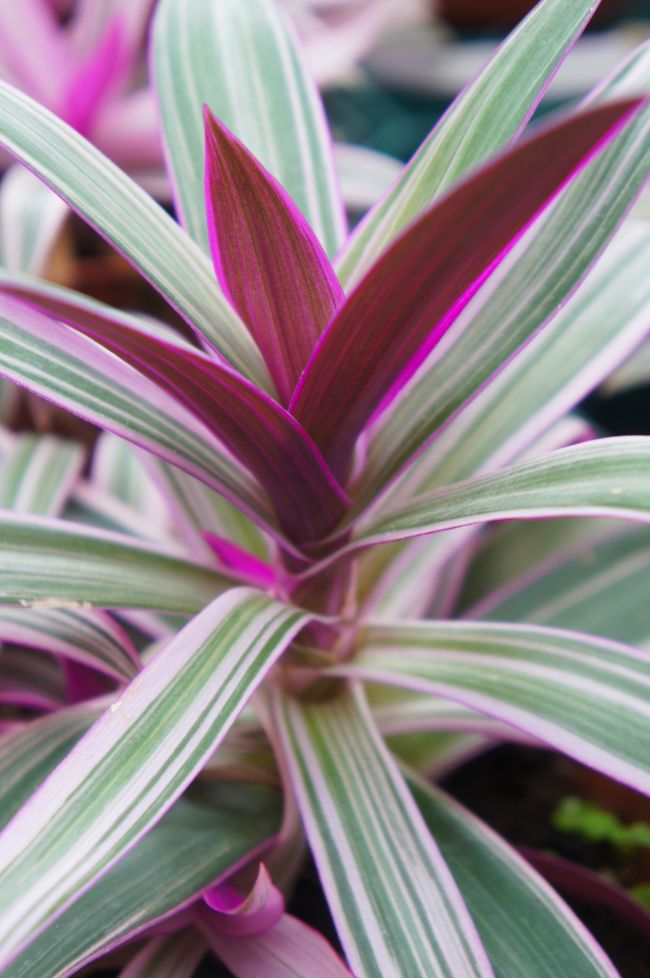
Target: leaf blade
<point>157,735</point>
<point>247,67</point>
<point>506,91</point>
<point>585,696</point>
<point>198,841</point>
<point>548,937</point>
<point>38,473</point>
<point>347,379</point>
<point>606,477</point>
<point>54,563</point>
<point>267,258</point>
<point>132,222</point>
<point>595,585</point>
<point>90,638</point>
<point>359,833</point>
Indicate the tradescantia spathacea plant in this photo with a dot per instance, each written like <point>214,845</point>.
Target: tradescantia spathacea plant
<point>300,615</point>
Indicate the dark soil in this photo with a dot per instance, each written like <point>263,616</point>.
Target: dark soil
<point>516,790</point>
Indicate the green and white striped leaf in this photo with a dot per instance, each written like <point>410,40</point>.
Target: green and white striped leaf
<point>395,905</point>
<point>201,839</point>
<point>92,506</point>
<point>605,319</point>
<point>633,373</point>
<point>585,696</point>
<point>535,281</point>
<point>38,473</point>
<point>80,376</point>
<point>399,711</point>
<point>598,584</point>
<point>244,62</point>
<point>176,956</point>
<point>609,477</point>
<point>119,470</point>
<point>88,637</point>
<point>48,563</point>
<point>436,754</point>
<point>37,476</point>
<point>136,760</point>
<point>527,930</point>
<point>138,227</point>
<point>485,117</point>
<point>30,753</point>
<point>198,509</point>
<point>530,543</point>
<point>31,217</point>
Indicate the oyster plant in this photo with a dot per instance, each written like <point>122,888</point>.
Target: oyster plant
<point>277,621</point>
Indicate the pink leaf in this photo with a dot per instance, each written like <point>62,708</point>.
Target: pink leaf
<point>408,300</point>
<point>97,78</point>
<point>289,949</point>
<point>34,54</point>
<point>267,258</point>
<point>240,916</point>
<point>247,566</point>
<point>127,129</point>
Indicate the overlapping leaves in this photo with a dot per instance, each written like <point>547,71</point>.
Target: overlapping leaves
<point>269,415</point>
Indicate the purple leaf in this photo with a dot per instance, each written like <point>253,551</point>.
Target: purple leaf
<point>586,885</point>
<point>83,683</point>
<point>412,295</point>
<point>267,258</point>
<point>265,438</point>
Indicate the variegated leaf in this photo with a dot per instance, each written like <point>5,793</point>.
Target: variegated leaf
<point>243,61</point>
<point>130,220</point>
<point>136,760</point>
<point>499,888</point>
<point>200,840</point>
<point>585,696</point>
<point>394,902</point>
<point>50,563</point>
<point>505,92</point>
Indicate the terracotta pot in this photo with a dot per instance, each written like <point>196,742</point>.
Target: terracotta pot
<point>504,14</point>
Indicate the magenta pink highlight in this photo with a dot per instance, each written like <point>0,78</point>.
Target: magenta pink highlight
<point>245,565</point>
<point>348,376</point>
<point>239,916</point>
<point>96,80</point>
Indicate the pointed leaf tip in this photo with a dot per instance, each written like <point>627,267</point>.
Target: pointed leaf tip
<point>266,256</point>
<point>238,915</point>
<point>413,294</point>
